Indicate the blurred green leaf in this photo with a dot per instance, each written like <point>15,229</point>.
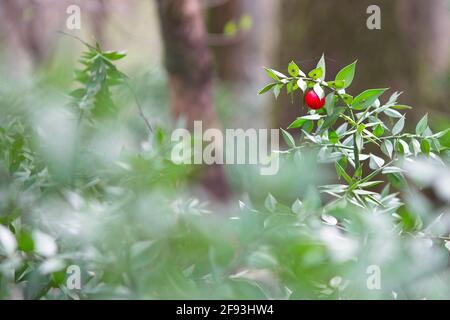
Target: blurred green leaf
<point>288,138</point>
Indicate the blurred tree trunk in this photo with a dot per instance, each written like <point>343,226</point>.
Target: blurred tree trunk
<point>32,25</point>
<point>239,59</point>
<point>189,65</point>
<point>227,54</point>
<point>24,20</point>
<point>426,29</point>
<point>99,13</point>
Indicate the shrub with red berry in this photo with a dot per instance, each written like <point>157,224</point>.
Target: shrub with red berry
<point>342,127</point>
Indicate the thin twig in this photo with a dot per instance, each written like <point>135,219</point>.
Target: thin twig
<point>77,38</point>
<point>139,107</point>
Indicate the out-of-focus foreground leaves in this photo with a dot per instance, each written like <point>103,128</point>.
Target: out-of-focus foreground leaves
<point>96,190</point>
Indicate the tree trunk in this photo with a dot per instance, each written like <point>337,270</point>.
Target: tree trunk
<point>189,66</point>
<point>99,13</point>
<point>239,59</point>
<point>228,55</point>
<point>26,30</point>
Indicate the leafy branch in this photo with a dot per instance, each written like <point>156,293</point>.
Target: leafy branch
<point>344,125</point>
<point>97,76</point>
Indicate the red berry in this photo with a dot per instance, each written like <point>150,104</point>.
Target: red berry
<point>313,101</point>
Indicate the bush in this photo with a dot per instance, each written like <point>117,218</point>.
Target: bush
<point>125,217</point>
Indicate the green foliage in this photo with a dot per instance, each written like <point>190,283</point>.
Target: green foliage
<point>126,216</point>
<point>97,76</point>
<point>345,77</point>
<point>352,125</point>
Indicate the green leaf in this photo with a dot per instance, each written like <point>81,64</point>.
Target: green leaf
<point>275,75</point>
<point>359,141</point>
<point>366,98</point>
<point>267,88</point>
<point>361,128</point>
<point>347,74</point>
<point>8,243</point>
<point>308,126</point>
<point>334,188</point>
<point>392,113</point>
<point>387,148</point>
<point>358,172</point>
<point>291,87</point>
<point>378,131</point>
<point>392,169</point>
<point>338,84</point>
<point>415,146</point>
<point>425,146</point>
<point>277,89</point>
<point>297,123</point>
<point>329,103</point>
<point>319,90</point>
<point>403,147</point>
<point>398,127</point>
<point>435,145</point>
<point>422,125</point>
<point>330,120</point>
<point>333,136</point>
<point>397,180</point>
<point>288,138</point>
<point>314,116</point>
<point>297,207</point>
<point>25,241</point>
<point>316,73</point>
<point>440,134</point>
<point>369,184</point>
<point>321,64</point>
<point>270,203</point>
<point>348,99</point>
<point>375,162</point>
<point>341,173</point>
<point>401,107</point>
<point>293,69</point>
<point>301,120</point>
<point>302,84</point>
<point>114,55</point>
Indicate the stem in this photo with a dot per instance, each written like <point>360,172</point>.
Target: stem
<point>405,135</point>
<point>139,107</point>
<point>376,172</point>
<point>339,146</point>
<point>356,152</point>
